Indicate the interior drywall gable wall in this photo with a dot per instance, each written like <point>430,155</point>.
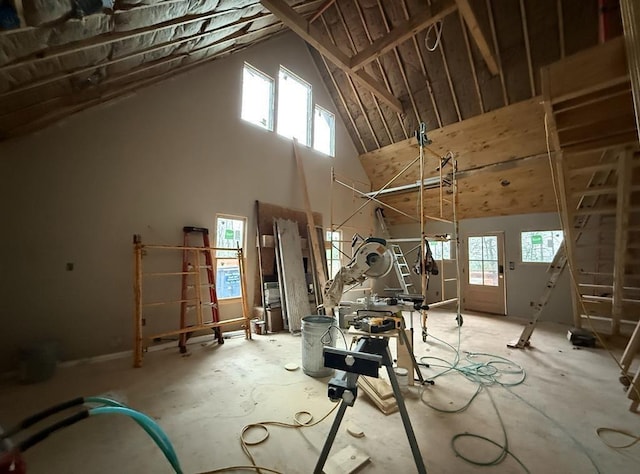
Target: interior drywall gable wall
<point>525,283</point>
<point>170,155</point>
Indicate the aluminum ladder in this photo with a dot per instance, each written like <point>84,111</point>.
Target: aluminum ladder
<point>400,264</point>
<point>555,269</point>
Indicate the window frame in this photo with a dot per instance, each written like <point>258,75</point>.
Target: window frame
<point>272,98</point>
<point>441,242</point>
<point>217,257</point>
<point>522,262</point>
<point>329,248</point>
<point>309,111</point>
<point>332,138</point>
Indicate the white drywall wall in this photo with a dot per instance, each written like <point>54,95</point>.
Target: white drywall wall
<point>170,155</point>
<point>524,284</point>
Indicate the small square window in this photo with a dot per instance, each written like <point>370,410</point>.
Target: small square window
<point>333,244</point>
<point>257,97</point>
<point>440,250</point>
<point>324,129</point>
<point>540,246</point>
<point>294,107</point>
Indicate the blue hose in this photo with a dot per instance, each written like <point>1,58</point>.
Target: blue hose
<point>147,423</point>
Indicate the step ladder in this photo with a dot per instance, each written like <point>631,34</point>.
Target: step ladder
<point>401,268</point>
<point>400,265</point>
<point>192,267</point>
<point>555,269</point>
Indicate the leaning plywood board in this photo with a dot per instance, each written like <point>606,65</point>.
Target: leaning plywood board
<point>293,278</point>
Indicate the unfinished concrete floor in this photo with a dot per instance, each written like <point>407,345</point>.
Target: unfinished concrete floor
<point>203,401</point>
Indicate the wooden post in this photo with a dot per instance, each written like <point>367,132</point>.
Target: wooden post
<point>623,201</point>
<point>245,301</point>
<point>137,293</point>
<point>311,225</point>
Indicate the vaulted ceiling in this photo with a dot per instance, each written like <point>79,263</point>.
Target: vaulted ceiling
<point>468,69</point>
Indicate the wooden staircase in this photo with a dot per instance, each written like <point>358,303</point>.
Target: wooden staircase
<point>592,133</point>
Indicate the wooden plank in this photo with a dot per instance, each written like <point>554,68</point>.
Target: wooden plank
<point>317,251</point>
<point>623,201</point>
<point>386,406</point>
<point>422,68</point>
<point>478,36</point>
<point>472,63</point>
<point>527,47</point>
<point>588,112</point>
<point>318,40</point>
<point>597,131</point>
<point>354,91</point>
<point>588,70</point>
<point>494,36</point>
<point>403,32</point>
<point>295,286</point>
<point>321,10</point>
<point>346,461</point>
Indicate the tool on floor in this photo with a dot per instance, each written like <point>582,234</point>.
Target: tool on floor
<point>192,265</point>
<point>369,355</point>
<point>555,269</point>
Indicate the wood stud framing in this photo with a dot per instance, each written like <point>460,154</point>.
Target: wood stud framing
<point>505,96</point>
<point>385,21</point>
<point>472,64</point>
<point>382,73</point>
<point>424,70</point>
<point>353,90</point>
<point>466,12</point>
<point>373,97</point>
<point>527,47</point>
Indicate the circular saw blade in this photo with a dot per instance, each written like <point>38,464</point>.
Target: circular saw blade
<point>381,266</point>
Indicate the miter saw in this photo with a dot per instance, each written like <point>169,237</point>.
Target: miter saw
<point>372,259</point>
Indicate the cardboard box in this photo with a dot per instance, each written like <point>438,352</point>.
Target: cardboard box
<point>274,320</point>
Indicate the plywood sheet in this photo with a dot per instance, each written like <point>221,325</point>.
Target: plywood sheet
<point>292,276</point>
<point>507,133</point>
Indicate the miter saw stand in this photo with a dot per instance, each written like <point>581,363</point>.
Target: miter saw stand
<point>384,323</point>
<point>367,358</point>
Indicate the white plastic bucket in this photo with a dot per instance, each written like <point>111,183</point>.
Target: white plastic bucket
<point>402,375</point>
<point>316,334</point>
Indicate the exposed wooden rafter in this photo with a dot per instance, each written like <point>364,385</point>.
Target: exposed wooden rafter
<point>505,96</point>
<point>403,32</point>
<point>381,70</point>
<point>474,28</point>
<point>423,68</point>
<point>312,35</point>
<point>354,91</point>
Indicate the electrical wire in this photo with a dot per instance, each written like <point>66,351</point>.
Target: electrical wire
<point>437,27</point>
<point>263,425</point>
<point>575,287</point>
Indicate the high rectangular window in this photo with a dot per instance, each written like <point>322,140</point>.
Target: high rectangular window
<point>324,129</point>
<point>230,232</point>
<point>257,97</point>
<point>440,250</point>
<point>540,246</point>
<point>333,252</point>
<point>294,107</point>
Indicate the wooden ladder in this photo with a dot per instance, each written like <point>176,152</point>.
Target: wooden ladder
<point>192,266</point>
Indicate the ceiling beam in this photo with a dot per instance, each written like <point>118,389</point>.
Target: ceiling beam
<point>403,32</point>
<point>474,28</point>
<point>312,35</point>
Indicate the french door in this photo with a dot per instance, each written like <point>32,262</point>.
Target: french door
<point>484,283</point>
